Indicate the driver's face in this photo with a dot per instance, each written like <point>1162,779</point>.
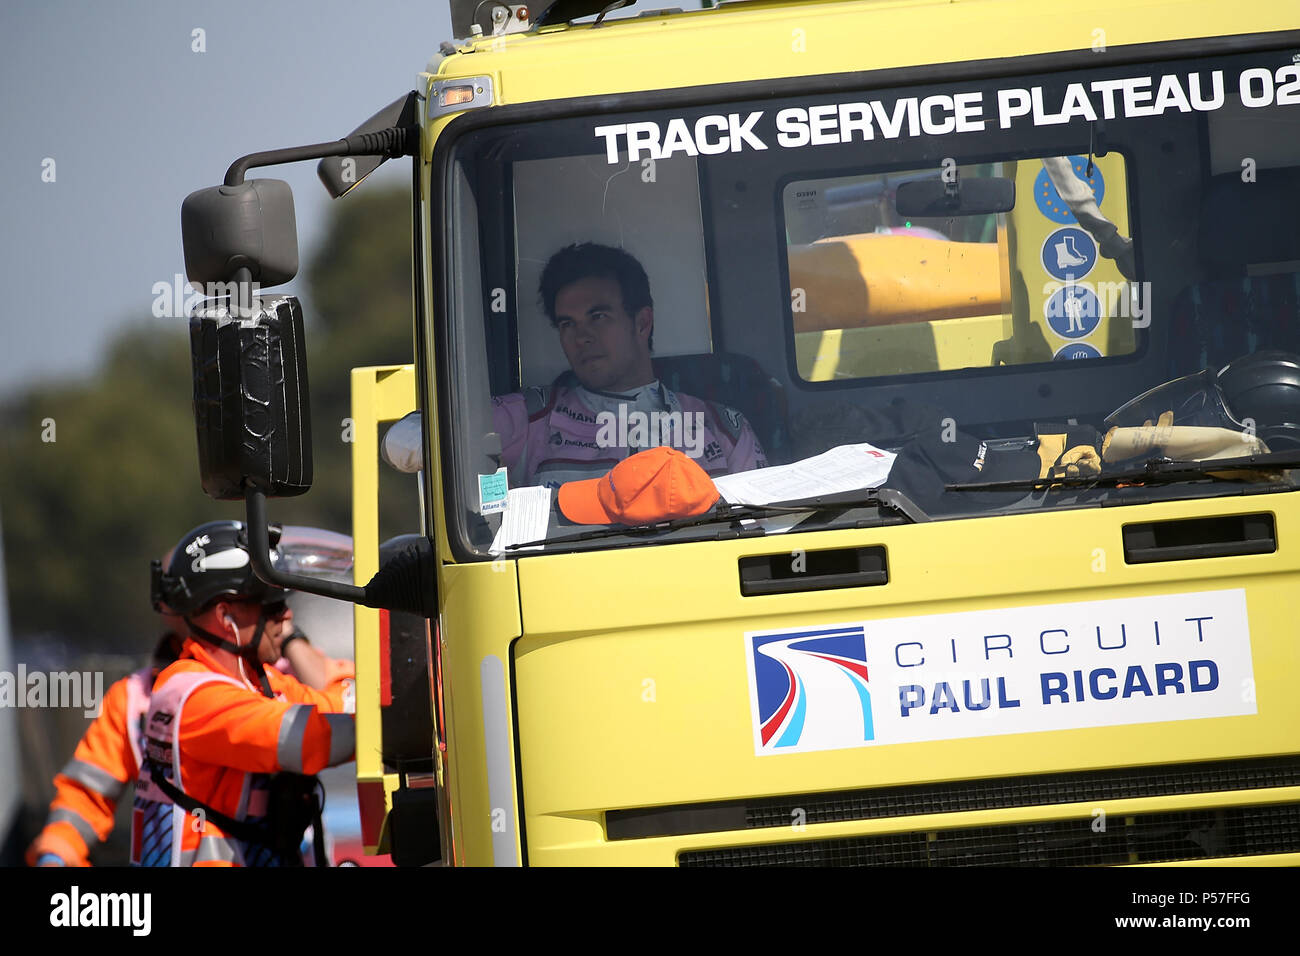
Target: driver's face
<point>607,349</point>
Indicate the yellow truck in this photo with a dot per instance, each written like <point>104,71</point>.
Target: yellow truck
<point>978,323</point>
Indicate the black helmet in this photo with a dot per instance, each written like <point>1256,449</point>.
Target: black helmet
<point>1263,391</point>
<point>209,562</point>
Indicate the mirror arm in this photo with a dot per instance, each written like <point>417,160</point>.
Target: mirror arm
<point>390,143</point>
<point>404,583</point>
<point>259,551</point>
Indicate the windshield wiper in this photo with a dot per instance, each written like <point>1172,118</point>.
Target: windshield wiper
<point>724,512</point>
<point>889,497</point>
<point>1152,471</point>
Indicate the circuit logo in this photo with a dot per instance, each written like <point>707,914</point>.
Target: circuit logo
<point>809,689</point>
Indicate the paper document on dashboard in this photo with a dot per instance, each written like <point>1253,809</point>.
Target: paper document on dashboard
<point>527,514</point>
<point>844,468</point>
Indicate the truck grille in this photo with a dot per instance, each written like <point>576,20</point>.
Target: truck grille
<point>1144,838</point>
<point>990,794</point>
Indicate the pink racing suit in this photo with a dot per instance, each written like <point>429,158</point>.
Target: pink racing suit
<point>554,434</point>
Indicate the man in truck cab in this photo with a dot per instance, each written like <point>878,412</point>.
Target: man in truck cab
<point>611,403</point>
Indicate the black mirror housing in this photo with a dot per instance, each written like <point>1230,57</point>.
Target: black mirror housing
<point>251,225</point>
<point>251,408</point>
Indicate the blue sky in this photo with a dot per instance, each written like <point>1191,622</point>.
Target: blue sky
<point>135,120</point>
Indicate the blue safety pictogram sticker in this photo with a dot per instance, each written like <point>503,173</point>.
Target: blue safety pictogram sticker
<point>1068,254</point>
<point>1073,311</point>
<point>1076,350</point>
<point>1049,201</point>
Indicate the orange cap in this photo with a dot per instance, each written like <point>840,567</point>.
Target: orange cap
<point>655,485</point>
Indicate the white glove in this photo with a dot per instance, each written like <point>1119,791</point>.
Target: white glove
<point>403,446</point>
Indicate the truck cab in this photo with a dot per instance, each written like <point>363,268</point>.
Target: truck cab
<point>993,287</point>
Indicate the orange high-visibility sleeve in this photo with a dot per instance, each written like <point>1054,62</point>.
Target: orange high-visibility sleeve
<point>231,726</point>
<point>107,742</point>
<point>88,787</point>
<point>335,745</point>
<point>331,699</point>
<point>333,706</point>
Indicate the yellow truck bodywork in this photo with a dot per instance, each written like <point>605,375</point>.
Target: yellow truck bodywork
<point>583,683</point>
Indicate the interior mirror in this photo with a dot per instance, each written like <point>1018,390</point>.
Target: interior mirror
<point>935,199</point>
<point>250,226</point>
<point>251,408</point>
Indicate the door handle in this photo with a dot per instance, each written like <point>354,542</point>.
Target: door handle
<point>1191,538</point>
<point>792,571</point>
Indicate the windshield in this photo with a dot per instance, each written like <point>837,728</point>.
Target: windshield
<point>906,288</point>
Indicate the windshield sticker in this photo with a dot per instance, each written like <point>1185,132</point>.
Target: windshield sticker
<point>1076,350</point>
<point>1069,253</point>
<point>940,114</point>
<point>492,492</point>
<point>1048,198</point>
<point>1073,311</point>
<point>1010,671</point>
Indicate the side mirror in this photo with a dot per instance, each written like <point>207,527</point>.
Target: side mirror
<point>247,226</point>
<point>251,409</point>
<point>934,199</point>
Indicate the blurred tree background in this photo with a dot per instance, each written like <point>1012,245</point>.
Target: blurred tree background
<point>84,513</point>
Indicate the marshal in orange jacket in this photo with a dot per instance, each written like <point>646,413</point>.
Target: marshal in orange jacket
<point>220,741</point>
<point>87,789</point>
